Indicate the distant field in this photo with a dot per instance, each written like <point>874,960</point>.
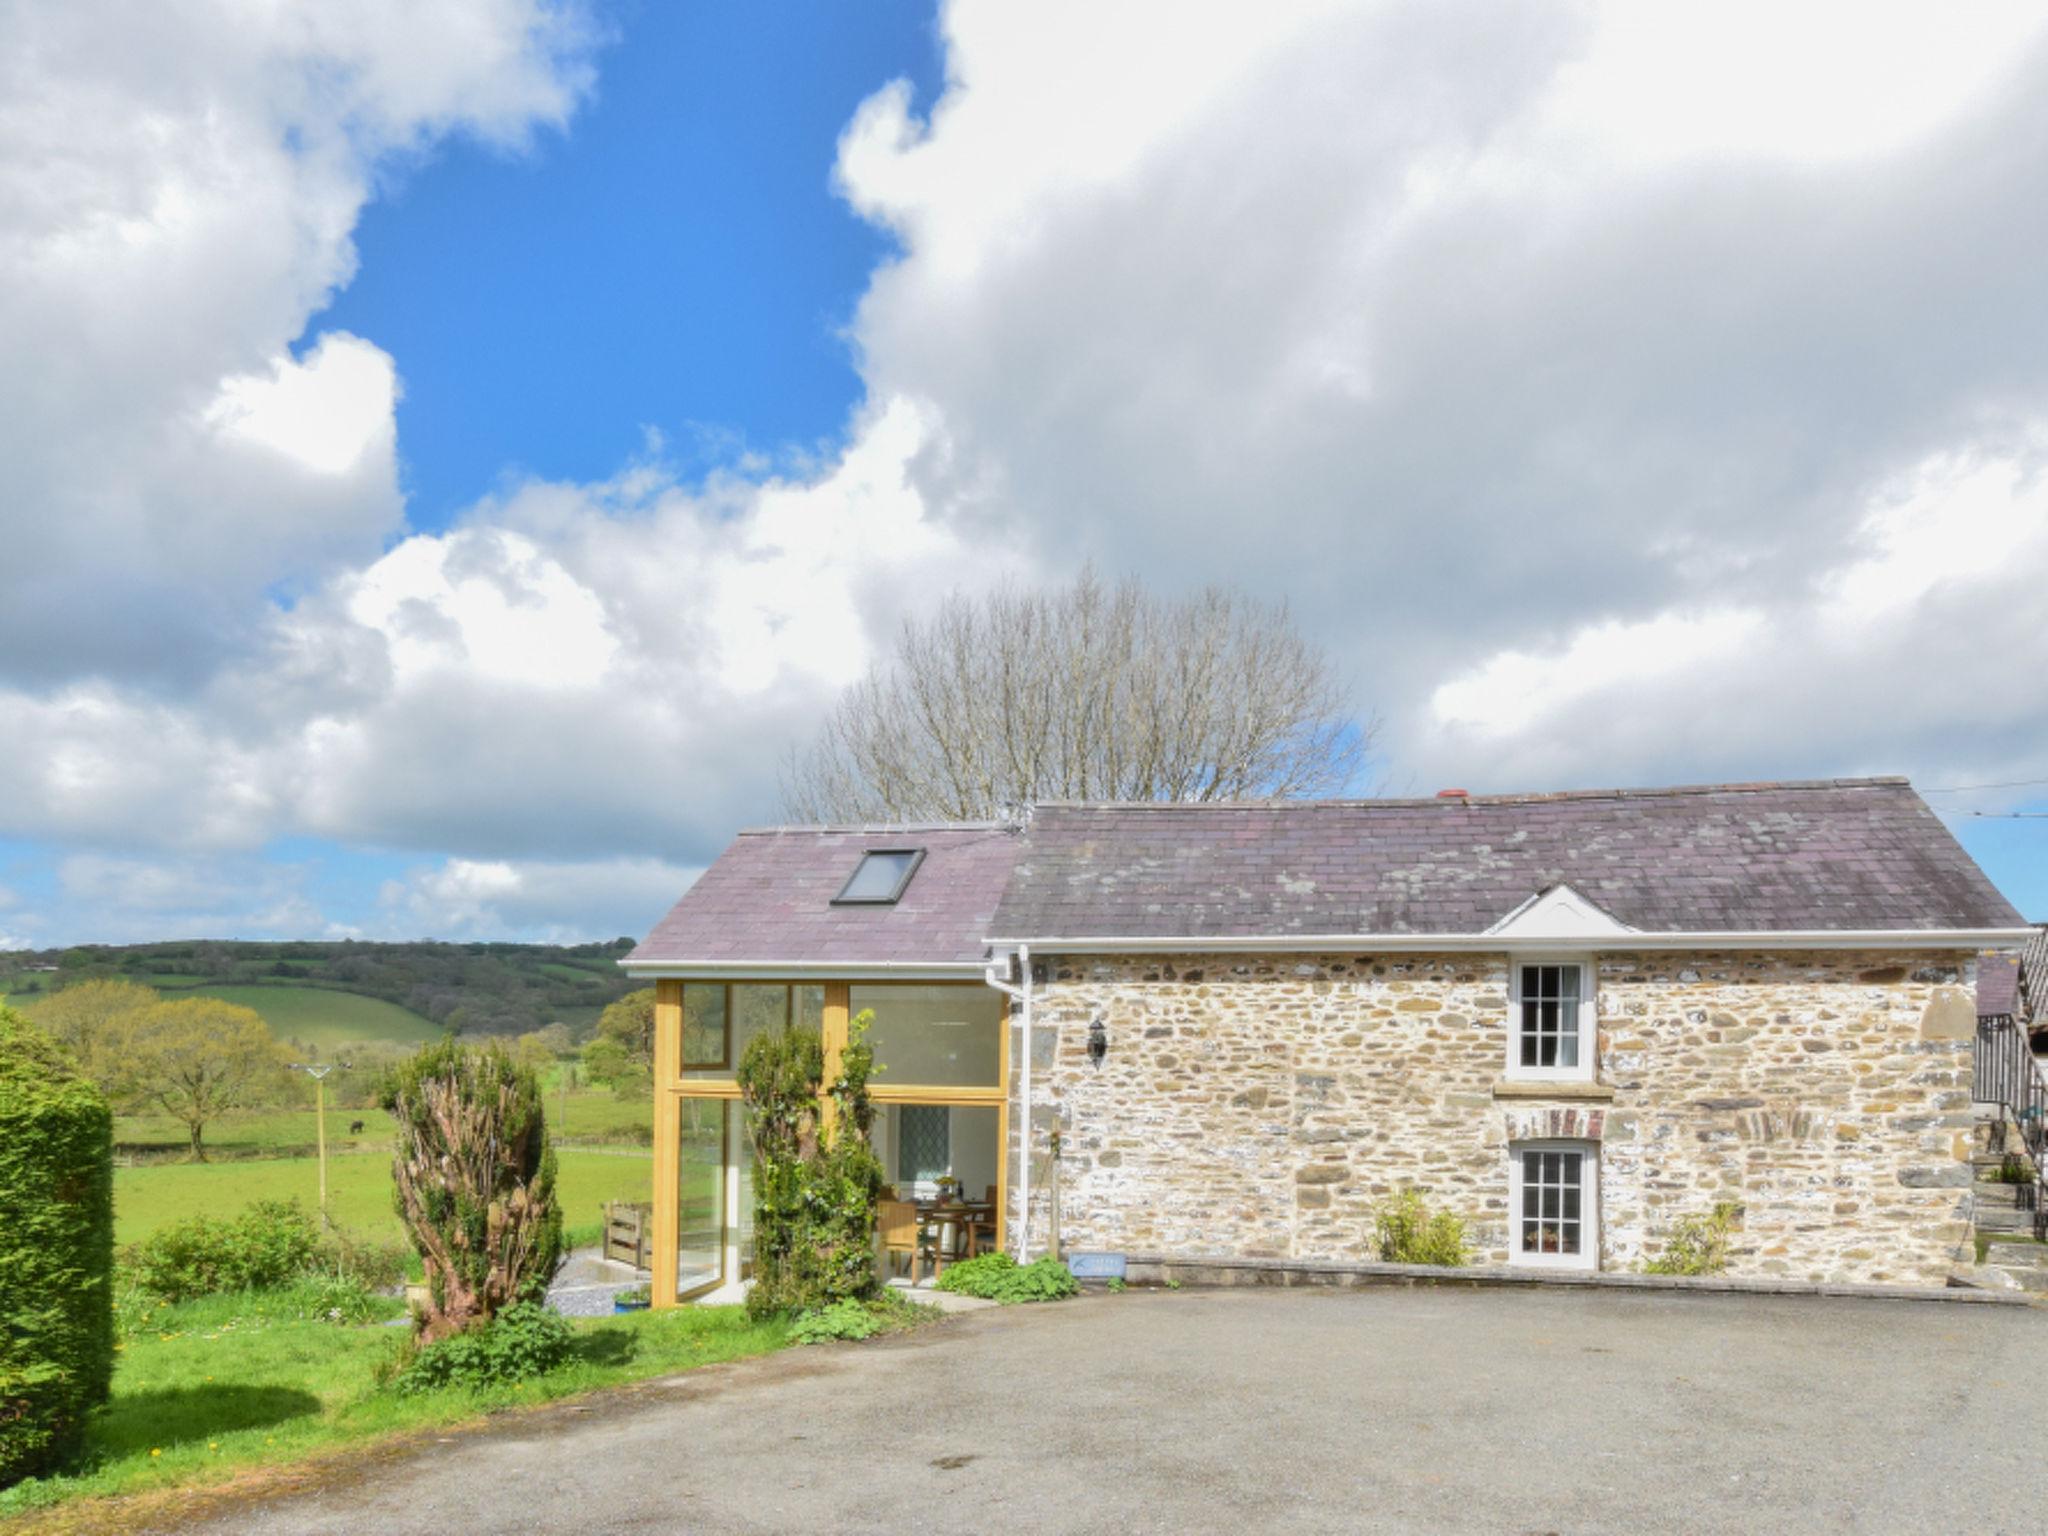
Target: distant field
<point>322,1017</point>
<point>312,1015</point>
<point>358,1186</point>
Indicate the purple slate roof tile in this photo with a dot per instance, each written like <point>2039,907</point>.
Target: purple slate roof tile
<point>1998,985</point>
<point>768,897</point>
<point>1828,854</point>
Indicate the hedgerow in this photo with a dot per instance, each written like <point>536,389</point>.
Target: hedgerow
<point>56,1250</point>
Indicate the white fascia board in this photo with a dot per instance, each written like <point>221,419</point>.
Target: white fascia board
<point>1453,943</point>
<point>801,970</point>
<point>1559,912</point>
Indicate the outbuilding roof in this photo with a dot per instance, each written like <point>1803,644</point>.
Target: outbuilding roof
<point>1830,854</point>
<point>769,899</point>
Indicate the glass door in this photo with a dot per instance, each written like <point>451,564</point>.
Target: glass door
<point>701,1203</point>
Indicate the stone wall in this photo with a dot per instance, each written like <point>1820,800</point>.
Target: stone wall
<point>1265,1106</point>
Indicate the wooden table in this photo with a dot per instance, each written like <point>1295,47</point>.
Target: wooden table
<point>971,1216</point>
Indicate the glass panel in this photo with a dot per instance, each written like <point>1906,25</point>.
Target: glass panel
<point>924,1148</point>
<point>922,1145</point>
<point>940,1036</point>
<point>704,1025</point>
<point>810,1007</point>
<point>756,1010</point>
<point>879,876</point>
<point>741,1153</point>
<point>700,1204</point>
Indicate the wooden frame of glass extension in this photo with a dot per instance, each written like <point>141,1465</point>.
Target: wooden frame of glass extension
<point>671,1088</point>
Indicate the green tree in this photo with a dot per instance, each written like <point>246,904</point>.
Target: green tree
<point>195,1059</point>
<point>630,1022</point>
<point>475,1183</point>
<point>56,1250</point>
<point>86,1017</point>
<point>607,1064</point>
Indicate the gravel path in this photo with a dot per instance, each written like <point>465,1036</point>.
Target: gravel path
<point>1277,1411</point>
<point>587,1282</point>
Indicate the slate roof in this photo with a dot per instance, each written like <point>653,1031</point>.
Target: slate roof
<point>1998,985</point>
<point>769,898</point>
<point>1826,854</point>
<point>2016,985</point>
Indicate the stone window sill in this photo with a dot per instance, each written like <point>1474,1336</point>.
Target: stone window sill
<point>1508,1088</point>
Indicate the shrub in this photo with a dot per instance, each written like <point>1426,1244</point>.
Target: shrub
<point>270,1244</point>
<point>841,1320</point>
<point>340,1299</point>
<point>1698,1245</point>
<point>475,1182</point>
<point>998,1277</point>
<point>1410,1234</point>
<point>814,1189</point>
<point>377,1265</point>
<point>56,1250</point>
<point>523,1341</point>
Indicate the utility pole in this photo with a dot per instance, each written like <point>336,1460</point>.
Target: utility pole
<point>318,1072</point>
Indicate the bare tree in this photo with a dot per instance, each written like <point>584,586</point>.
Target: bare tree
<point>1089,692</point>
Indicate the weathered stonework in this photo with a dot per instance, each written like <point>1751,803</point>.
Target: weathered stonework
<point>1266,1106</point>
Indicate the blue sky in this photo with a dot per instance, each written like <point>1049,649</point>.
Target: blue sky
<point>676,261</point>
<point>447,472</point>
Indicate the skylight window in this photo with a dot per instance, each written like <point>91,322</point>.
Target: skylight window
<point>880,877</point>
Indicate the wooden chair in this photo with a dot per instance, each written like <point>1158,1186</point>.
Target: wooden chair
<point>898,1231</point>
<point>981,1230</point>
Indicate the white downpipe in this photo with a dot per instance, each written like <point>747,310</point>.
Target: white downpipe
<point>1023,995</point>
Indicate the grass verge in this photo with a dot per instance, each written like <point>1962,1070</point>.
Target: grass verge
<point>209,1390</point>
<point>358,1189</point>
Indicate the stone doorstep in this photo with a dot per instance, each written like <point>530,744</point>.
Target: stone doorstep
<point>1157,1268</point>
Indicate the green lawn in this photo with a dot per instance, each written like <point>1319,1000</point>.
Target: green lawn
<point>358,1189</point>
<point>214,1388</point>
<point>592,1113</point>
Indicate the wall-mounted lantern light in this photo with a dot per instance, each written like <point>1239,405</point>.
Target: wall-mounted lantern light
<point>1098,1042</point>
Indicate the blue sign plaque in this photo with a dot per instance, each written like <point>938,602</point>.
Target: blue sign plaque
<point>1096,1266</point>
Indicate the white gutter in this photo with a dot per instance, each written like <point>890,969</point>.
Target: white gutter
<point>802,970</point>
<point>1023,995</point>
<point>1435,943</point>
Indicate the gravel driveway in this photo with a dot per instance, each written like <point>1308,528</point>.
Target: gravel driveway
<point>1261,1410</point>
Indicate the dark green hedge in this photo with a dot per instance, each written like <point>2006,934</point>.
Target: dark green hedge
<point>56,1250</point>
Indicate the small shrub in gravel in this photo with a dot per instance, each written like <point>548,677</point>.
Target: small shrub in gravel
<point>998,1277</point>
<point>841,1320</point>
<point>1410,1233</point>
<point>1698,1245</point>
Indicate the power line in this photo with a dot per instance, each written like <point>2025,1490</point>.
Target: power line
<point>2010,815</point>
<point>1957,789</point>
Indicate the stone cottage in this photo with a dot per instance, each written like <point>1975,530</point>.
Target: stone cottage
<point>1200,1032</point>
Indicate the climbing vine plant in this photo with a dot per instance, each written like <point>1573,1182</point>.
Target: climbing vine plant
<point>815,1183</point>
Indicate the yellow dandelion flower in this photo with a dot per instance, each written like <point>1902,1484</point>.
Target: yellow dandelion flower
<point>155,1451</point>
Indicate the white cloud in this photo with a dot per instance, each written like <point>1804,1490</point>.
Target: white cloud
<point>326,413</point>
<point>178,184</point>
<point>1624,393</point>
<point>564,903</point>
